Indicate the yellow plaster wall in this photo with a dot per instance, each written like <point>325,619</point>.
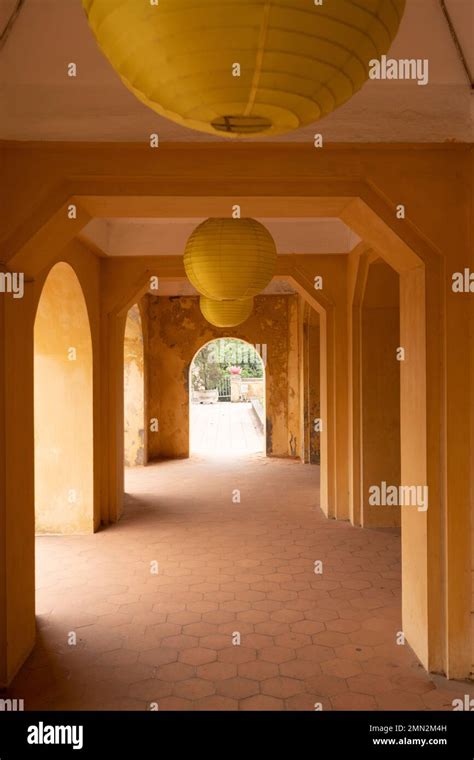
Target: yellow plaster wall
<point>17,557</point>
<point>380,452</point>
<point>63,403</point>
<point>310,406</point>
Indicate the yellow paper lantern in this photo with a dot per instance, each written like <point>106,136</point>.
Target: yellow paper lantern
<point>238,68</point>
<point>225,313</point>
<point>230,259</point>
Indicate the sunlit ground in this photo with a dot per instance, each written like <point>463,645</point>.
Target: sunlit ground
<point>225,429</point>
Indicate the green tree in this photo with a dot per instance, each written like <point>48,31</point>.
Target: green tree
<point>213,362</point>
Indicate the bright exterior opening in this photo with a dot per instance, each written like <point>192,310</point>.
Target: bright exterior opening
<point>227,400</point>
<point>134,390</point>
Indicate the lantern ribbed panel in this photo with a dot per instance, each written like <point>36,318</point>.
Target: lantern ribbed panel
<point>229,259</point>
<point>298,61</point>
<point>225,313</point>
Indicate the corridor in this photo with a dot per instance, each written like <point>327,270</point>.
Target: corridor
<point>157,599</point>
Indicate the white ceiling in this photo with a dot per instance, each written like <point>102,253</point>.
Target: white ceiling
<point>39,102</point>
<point>167,237</point>
<point>181,287</point>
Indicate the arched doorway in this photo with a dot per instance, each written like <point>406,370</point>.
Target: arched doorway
<point>63,407</point>
<point>227,400</point>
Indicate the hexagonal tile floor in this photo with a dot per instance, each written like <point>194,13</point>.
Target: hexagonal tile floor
<point>207,595</point>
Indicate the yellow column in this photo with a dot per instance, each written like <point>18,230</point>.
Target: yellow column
<point>17,564</point>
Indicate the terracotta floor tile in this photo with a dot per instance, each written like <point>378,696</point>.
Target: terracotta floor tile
<point>151,689</point>
<point>199,629</point>
<point>383,666</point>
<point>237,654</point>
<point>215,641</point>
<point>194,688</point>
<point>368,638</point>
<point>257,640</point>
<point>216,702</point>
<point>308,627</point>
<point>300,669</point>
<point>175,703</point>
<point>217,671</point>
<point>204,607</point>
<point>293,640</point>
<point>130,674</point>
<point>218,616</point>
<point>354,652</point>
<point>341,668</point>
<point>168,638</point>
<point>185,617</point>
<point>197,656</point>
<point>326,685</point>
<point>176,671</point>
<point>330,639</point>
<point>163,630</point>
<point>282,687</point>
<point>343,626</point>
<point>237,688</point>
<point>252,616</point>
<point>276,654</point>
<point>315,653</point>
<point>118,657</point>
<point>413,684</point>
<point>258,670</point>
<point>159,656</point>
<point>229,629</point>
<point>241,596</point>
<point>287,616</point>
<point>367,683</point>
<point>261,702</point>
<point>180,642</point>
<point>268,605</point>
<point>272,628</point>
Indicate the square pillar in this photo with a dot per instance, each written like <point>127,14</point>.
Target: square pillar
<point>17,519</point>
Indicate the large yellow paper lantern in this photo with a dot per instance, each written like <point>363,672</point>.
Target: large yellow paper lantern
<point>244,67</point>
<point>230,259</point>
<point>225,313</point>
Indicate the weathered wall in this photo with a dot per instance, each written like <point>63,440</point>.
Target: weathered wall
<point>63,403</point>
<point>177,330</point>
<point>313,380</point>
<point>309,378</point>
<point>134,390</point>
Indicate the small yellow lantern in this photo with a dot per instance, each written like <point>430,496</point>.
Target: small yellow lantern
<point>230,259</point>
<point>226,313</point>
<point>238,68</point>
